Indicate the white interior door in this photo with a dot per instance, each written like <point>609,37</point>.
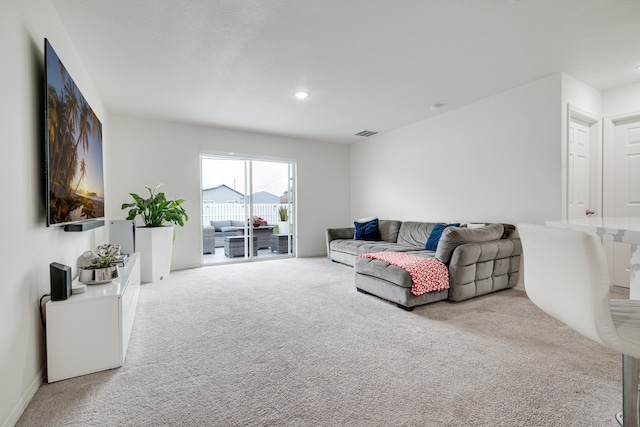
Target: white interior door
<point>580,143</point>
<point>626,188</point>
<point>583,164</point>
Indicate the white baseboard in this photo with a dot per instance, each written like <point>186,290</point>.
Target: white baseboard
<point>14,416</point>
<point>312,254</point>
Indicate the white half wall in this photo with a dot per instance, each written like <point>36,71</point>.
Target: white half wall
<point>28,245</point>
<point>147,152</point>
<point>497,160</point>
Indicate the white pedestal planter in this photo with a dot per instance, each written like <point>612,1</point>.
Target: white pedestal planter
<point>283,227</point>
<point>154,245</point>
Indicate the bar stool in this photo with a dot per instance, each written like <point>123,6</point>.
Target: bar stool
<point>566,275</point>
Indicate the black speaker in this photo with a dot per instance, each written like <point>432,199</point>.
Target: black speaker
<point>60,281</point>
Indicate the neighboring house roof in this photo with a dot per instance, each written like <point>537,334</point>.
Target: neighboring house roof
<point>285,197</point>
<point>265,197</point>
<point>221,194</point>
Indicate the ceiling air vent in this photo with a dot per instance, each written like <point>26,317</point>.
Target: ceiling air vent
<point>366,133</point>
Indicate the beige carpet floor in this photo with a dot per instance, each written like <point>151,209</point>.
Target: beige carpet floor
<point>291,343</point>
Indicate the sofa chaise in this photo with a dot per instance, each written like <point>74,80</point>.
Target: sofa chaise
<point>480,259</point>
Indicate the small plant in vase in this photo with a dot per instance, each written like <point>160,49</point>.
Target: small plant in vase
<point>258,221</point>
<point>283,213</point>
<point>283,225</point>
<point>106,255</point>
<point>98,268</point>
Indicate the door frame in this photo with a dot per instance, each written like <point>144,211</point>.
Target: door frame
<point>608,199</point>
<point>292,200</point>
<point>596,154</point>
<point>610,124</point>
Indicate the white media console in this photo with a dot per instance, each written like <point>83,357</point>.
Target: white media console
<point>89,332</point>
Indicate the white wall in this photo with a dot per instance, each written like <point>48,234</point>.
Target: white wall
<point>621,101</point>
<point>28,245</point>
<point>146,152</point>
<point>580,95</point>
<point>495,160</point>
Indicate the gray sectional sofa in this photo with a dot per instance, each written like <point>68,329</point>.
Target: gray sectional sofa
<point>480,260</point>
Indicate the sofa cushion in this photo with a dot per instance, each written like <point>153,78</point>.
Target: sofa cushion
<point>358,247</point>
<point>383,271</point>
<point>455,236</point>
<point>219,224</point>
<point>415,234</point>
<point>223,229</point>
<point>348,246</point>
<point>382,246</point>
<point>389,229</point>
<point>367,230</point>
<point>238,223</point>
<point>436,233</point>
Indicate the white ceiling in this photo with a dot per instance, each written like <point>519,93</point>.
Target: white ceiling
<point>368,64</point>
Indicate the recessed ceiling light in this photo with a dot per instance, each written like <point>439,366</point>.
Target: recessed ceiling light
<point>301,94</point>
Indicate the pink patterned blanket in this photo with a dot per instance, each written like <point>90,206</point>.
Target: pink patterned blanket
<point>427,274</point>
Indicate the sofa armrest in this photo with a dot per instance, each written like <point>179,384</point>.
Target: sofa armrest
<point>338,233</point>
<point>452,237</point>
<point>480,268</point>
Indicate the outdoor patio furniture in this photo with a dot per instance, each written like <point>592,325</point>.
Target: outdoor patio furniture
<point>280,243</point>
<point>234,246</point>
<point>263,233</point>
<point>209,240</point>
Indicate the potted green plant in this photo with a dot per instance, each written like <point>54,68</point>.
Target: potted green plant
<point>283,224</point>
<point>154,240</point>
<point>156,211</point>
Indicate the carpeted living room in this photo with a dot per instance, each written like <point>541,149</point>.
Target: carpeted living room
<point>423,111</point>
<point>291,342</point>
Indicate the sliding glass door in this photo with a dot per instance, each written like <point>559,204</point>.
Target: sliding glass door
<point>247,209</point>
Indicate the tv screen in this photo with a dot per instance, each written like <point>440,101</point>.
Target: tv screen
<point>73,149</point>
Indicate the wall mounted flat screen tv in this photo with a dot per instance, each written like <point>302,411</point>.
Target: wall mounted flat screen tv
<point>73,149</point>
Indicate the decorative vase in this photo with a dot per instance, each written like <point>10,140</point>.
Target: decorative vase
<point>283,227</point>
<point>155,245</point>
<point>94,276</point>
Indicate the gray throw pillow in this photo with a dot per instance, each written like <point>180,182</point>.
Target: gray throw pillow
<point>455,236</point>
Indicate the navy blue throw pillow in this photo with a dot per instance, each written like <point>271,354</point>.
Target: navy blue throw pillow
<point>367,230</point>
<point>436,233</point>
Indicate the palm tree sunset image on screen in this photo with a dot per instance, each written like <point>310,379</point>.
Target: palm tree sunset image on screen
<point>75,177</point>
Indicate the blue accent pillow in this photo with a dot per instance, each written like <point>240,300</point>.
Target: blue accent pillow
<point>367,230</point>
<point>436,233</point>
